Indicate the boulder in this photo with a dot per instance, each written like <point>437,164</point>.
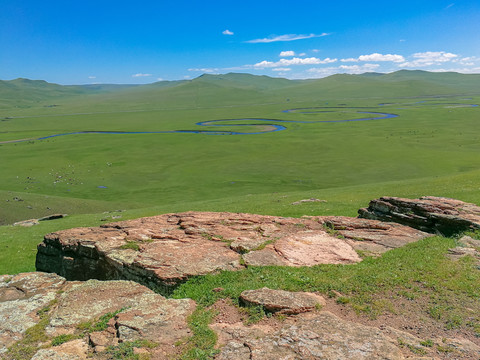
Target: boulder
<point>428,213</point>
<point>163,251</point>
<point>71,350</point>
<point>284,302</point>
<point>53,217</point>
<point>26,223</point>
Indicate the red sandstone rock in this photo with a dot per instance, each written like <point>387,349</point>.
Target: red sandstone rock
<point>140,314</point>
<point>428,213</point>
<point>163,251</point>
<point>284,302</point>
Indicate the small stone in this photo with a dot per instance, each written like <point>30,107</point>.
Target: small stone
<point>26,223</point>
<point>281,301</point>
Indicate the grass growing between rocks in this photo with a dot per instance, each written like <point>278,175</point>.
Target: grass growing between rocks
<point>201,345</point>
<point>35,338</point>
<point>420,265</point>
<point>125,350</point>
<point>28,346</point>
<point>448,291</point>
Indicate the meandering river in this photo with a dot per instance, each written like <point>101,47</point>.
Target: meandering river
<point>262,125</point>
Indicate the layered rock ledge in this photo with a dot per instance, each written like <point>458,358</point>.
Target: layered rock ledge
<point>428,213</point>
<point>163,251</point>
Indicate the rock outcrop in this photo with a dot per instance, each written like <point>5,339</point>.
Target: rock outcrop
<point>163,251</point>
<point>21,298</point>
<point>428,213</point>
<point>320,335</point>
<point>90,315</point>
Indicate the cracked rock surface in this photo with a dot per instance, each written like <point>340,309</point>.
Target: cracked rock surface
<point>163,251</point>
<point>135,313</point>
<point>320,335</point>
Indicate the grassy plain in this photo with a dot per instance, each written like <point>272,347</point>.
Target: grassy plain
<point>431,148</point>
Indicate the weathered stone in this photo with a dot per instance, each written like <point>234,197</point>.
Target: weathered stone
<point>307,249</point>
<point>372,236</point>
<point>308,201</point>
<point>100,338</point>
<point>281,301</point>
<point>53,217</point>
<point>265,257</point>
<point>469,242</point>
<point>464,346</point>
<point>72,350</point>
<point>459,252</point>
<point>144,314</point>
<point>428,213</point>
<point>21,297</point>
<point>136,313</point>
<point>163,251</point>
<point>26,223</point>
<point>308,336</point>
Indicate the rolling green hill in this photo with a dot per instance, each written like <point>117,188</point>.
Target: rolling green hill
<point>125,151</point>
<point>435,135</point>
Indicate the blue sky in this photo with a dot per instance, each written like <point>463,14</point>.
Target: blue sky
<point>80,42</point>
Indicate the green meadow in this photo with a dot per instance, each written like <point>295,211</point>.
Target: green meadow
<point>431,147</point>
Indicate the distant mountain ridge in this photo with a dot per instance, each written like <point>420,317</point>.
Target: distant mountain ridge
<point>241,88</point>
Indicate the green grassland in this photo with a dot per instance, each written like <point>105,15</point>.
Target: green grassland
<point>432,147</point>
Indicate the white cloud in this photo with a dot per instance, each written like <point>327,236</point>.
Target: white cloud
<point>472,70</point>
<point>469,61</point>
<point>429,58</point>
<point>141,75</point>
<point>315,50</point>
<point>302,54</point>
<point>287,37</point>
<point>294,61</point>
<point>281,69</point>
<point>358,69</point>
<point>287,53</point>
<point>349,60</point>
<point>322,72</point>
<point>160,79</point>
<point>437,56</point>
<point>92,77</point>
<point>381,57</point>
<point>205,70</point>
<point>449,6</point>
<point>227,32</point>
<point>348,69</point>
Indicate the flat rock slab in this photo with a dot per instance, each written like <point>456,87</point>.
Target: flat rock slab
<point>307,336</point>
<point>136,313</point>
<point>163,251</point>
<point>428,213</point>
<point>284,302</point>
<point>372,236</point>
